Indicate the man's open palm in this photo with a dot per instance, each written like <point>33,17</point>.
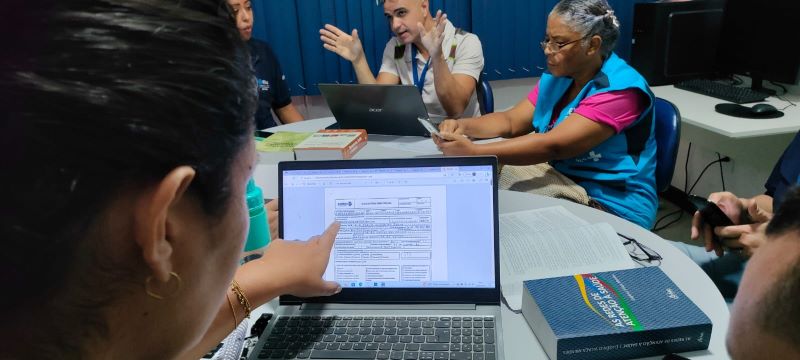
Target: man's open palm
<point>339,42</point>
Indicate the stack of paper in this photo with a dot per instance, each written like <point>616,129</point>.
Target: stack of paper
<point>551,242</point>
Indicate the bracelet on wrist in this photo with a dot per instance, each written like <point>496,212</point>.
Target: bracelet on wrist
<point>242,298</point>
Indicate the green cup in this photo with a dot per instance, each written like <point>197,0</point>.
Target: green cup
<point>258,236</point>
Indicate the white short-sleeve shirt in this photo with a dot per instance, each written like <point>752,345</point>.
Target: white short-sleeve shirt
<point>468,60</point>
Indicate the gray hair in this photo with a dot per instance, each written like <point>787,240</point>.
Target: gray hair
<point>591,17</point>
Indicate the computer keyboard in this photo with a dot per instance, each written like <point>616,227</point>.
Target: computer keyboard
<point>381,337</point>
<point>738,95</point>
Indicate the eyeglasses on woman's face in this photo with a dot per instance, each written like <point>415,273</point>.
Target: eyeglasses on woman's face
<point>556,46</point>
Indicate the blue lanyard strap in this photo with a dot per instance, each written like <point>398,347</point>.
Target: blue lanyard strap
<point>419,82</point>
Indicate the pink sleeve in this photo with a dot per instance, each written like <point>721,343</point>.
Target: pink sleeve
<point>618,109</point>
<point>534,94</point>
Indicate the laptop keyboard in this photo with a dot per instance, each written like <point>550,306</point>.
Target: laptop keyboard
<point>381,337</point>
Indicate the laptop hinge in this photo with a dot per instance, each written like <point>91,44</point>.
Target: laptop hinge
<point>310,306</point>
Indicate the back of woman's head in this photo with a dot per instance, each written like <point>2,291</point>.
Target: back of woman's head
<point>591,17</point>
<point>102,96</point>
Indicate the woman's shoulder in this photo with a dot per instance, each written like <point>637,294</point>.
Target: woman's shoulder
<point>260,47</point>
<point>632,96</point>
<point>617,108</point>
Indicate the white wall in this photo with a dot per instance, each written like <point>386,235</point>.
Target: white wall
<point>508,93</point>
<point>751,162</point>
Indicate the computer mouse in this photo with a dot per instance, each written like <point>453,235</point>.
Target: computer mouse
<point>763,109</point>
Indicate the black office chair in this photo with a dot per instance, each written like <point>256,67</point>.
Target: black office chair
<point>668,134</point>
<point>485,96</point>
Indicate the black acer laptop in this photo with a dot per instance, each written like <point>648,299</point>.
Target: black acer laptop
<point>380,109</point>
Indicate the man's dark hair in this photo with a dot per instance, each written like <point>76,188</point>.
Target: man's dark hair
<point>787,217</point>
<point>98,97</point>
<point>780,313</point>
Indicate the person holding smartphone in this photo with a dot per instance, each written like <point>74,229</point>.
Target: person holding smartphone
<point>750,217</point>
<point>765,318</point>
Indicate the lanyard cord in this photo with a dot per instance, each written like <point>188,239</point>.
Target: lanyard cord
<point>419,82</point>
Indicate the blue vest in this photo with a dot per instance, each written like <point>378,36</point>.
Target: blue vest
<point>620,172</point>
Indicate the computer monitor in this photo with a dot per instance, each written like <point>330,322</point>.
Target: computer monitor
<point>759,39</point>
<point>676,40</point>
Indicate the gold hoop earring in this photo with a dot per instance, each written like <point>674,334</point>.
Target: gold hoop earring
<point>152,294</point>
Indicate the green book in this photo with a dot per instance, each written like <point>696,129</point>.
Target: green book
<point>282,141</point>
<point>280,145</point>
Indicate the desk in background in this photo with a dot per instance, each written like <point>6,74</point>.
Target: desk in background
<point>754,145</point>
<point>698,110</point>
<point>519,341</point>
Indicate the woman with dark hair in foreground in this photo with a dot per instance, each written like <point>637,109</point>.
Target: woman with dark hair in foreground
<point>127,143</point>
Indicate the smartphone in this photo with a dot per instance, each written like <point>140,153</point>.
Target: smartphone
<point>432,130</point>
<point>710,213</point>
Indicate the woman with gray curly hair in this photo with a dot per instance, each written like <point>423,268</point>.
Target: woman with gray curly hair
<point>589,116</point>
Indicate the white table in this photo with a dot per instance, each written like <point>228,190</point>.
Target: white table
<point>698,110</point>
<point>519,341</point>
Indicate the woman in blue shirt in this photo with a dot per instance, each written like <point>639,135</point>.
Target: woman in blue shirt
<point>273,91</point>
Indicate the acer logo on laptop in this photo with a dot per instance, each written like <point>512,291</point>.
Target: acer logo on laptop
<point>355,106</point>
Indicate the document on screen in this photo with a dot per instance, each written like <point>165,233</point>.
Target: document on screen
<point>388,234</point>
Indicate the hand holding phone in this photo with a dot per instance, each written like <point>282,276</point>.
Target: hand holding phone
<point>432,130</point>
<point>710,213</point>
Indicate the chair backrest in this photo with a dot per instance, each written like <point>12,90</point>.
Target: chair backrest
<point>668,134</point>
<point>485,96</point>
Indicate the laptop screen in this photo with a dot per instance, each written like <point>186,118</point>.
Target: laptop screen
<point>418,226</point>
<point>377,108</point>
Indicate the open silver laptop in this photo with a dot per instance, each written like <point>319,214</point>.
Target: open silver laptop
<point>380,109</point>
<point>417,257</point>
